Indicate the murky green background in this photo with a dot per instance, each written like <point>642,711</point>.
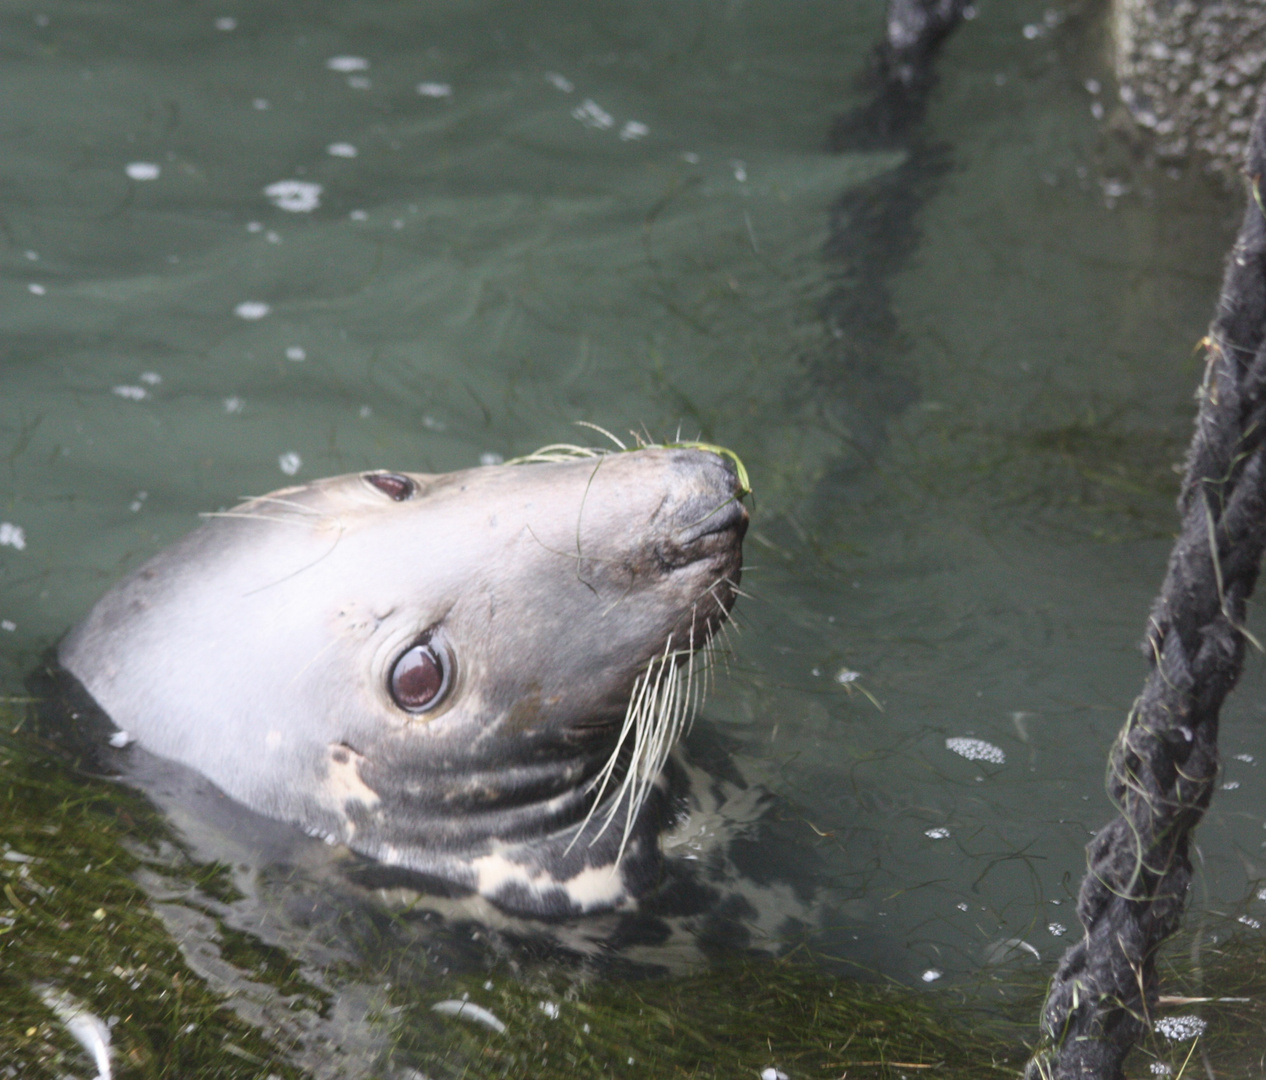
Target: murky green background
<point>615,212</point>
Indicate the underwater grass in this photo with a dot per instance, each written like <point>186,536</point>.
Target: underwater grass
<point>75,925</point>
<point>1090,476</point>
<point>737,1019</point>
<point>556,452</point>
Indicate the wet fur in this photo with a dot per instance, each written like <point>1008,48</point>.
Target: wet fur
<point>257,650</point>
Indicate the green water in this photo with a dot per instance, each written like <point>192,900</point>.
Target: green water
<point>615,213</point>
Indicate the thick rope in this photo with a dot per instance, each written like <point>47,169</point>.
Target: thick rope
<point>1163,766</point>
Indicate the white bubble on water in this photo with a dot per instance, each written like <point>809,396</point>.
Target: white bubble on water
<point>931,975</point>
<point>1057,929</point>
<point>143,170</point>
<point>937,833</point>
<point>976,750</point>
<point>290,462</point>
<point>151,378</point>
<point>261,104</point>
<point>226,23</point>
<point>634,129</point>
<point>252,310</point>
<point>559,82</point>
<point>8,625</point>
<point>435,89</point>
<point>341,149</point>
<point>295,196</point>
<point>593,115</point>
<point>1181,1028</point>
<point>13,536</point>
<point>347,63</point>
<point>132,393</point>
<point>233,405</point>
<point>296,353</point>
<point>36,289</point>
<point>358,82</point>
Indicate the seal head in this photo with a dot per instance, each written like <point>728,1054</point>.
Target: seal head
<point>437,669</point>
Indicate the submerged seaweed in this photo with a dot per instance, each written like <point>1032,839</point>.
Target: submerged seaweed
<point>741,1018</point>
<point>79,923</point>
<point>74,921</point>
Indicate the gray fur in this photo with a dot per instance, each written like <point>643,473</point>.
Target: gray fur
<point>257,650</point>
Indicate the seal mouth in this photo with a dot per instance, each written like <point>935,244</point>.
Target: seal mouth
<point>713,544</point>
<point>671,685</point>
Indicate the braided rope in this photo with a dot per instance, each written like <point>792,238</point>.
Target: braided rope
<point>1163,766</point>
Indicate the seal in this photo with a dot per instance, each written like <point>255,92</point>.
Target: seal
<point>476,676</point>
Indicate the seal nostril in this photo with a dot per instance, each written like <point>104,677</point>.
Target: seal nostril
<point>398,488</point>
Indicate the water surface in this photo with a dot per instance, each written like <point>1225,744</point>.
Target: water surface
<point>527,218</point>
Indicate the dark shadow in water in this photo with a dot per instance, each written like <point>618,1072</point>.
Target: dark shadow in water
<point>874,229</point>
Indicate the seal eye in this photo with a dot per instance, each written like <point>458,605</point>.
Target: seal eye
<point>420,678</point>
<point>393,485</point>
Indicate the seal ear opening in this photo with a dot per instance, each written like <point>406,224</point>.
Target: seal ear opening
<point>421,676</point>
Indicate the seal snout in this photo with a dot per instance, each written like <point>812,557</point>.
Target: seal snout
<point>709,521</point>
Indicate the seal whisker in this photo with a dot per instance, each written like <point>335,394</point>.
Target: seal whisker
<point>251,500</point>
<point>618,600</point>
<point>632,722</point>
<point>557,452</point>
<point>711,591</point>
<point>580,514</point>
<point>254,517</point>
<point>662,706</point>
<point>602,431</point>
<point>566,554</point>
<point>637,782</point>
<point>314,658</point>
<point>725,579</point>
<point>338,536</point>
<point>713,512</point>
